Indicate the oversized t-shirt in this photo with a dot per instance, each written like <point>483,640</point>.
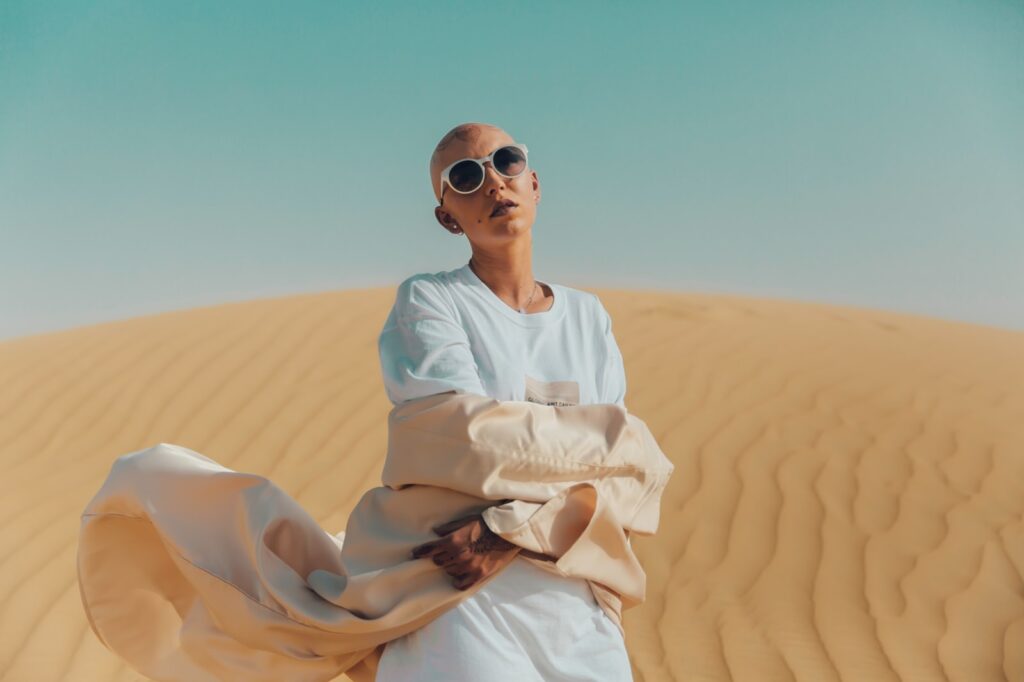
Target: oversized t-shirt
<point>447,331</point>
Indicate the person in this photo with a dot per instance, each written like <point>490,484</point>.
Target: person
<point>489,327</point>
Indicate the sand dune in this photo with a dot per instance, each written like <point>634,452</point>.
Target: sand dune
<point>848,502</point>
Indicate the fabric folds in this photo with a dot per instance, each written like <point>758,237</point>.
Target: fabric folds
<point>190,570</point>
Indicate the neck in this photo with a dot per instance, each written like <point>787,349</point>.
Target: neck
<point>511,279</point>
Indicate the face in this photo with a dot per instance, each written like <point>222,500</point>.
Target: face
<point>471,213</point>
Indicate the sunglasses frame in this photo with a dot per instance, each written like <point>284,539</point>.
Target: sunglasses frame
<point>483,175</point>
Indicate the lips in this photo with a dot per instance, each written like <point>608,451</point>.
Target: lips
<point>503,207</point>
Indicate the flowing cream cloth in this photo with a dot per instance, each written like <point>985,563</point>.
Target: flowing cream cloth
<point>191,571</point>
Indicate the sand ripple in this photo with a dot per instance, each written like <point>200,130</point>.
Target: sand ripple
<point>848,502</point>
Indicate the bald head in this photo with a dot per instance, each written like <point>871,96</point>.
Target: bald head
<point>458,142</point>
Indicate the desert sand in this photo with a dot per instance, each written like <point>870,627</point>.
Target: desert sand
<point>848,502</point>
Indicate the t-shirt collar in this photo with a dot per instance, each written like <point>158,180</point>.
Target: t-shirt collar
<point>525,319</point>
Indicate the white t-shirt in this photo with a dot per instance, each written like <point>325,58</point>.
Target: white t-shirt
<point>448,331</point>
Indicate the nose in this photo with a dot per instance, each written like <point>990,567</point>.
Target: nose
<point>492,179</point>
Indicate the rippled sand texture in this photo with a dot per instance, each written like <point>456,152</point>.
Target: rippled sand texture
<point>848,502</point>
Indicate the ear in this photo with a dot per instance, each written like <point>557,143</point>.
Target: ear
<point>445,218</point>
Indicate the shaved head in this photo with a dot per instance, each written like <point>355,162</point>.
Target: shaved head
<point>453,144</point>
<point>475,213</point>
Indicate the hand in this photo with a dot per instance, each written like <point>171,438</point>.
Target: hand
<point>468,550</point>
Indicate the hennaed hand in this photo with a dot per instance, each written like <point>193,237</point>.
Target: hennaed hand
<point>468,550</point>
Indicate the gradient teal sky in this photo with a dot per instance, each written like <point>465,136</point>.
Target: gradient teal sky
<point>157,156</point>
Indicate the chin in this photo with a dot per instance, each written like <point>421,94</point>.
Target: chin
<point>512,222</point>
<point>511,227</point>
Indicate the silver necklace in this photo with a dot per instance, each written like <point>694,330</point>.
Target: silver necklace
<point>529,300</point>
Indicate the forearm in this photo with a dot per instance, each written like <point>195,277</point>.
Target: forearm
<point>526,451</point>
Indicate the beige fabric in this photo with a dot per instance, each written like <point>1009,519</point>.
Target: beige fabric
<point>192,571</point>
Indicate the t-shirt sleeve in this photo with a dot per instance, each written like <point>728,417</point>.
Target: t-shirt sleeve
<point>612,374</point>
<point>423,348</point>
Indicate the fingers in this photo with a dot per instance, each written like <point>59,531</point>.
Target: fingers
<point>464,574</point>
<point>466,580</point>
<point>442,552</point>
<point>459,555</point>
<point>476,569</point>
<point>445,542</point>
<point>425,550</point>
<point>458,562</point>
<point>452,558</point>
<point>490,542</point>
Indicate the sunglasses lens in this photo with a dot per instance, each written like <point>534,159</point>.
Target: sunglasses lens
<point>466,176</point>
<point>509,161</point>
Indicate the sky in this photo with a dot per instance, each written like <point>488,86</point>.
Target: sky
<point>164,156</point>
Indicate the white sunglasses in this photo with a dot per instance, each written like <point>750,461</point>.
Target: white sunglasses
<point>466,176</point>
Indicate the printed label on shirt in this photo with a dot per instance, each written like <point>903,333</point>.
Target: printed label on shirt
<point>552,392</point>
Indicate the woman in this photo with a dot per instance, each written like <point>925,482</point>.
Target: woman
<point>490,328</point>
